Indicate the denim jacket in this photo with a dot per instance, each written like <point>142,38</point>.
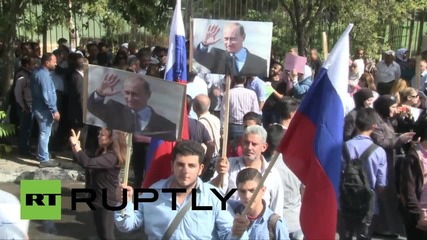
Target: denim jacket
<point>43,91</point>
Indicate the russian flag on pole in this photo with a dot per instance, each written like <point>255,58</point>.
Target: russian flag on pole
<point>312,145</point>
<point>160,152</point>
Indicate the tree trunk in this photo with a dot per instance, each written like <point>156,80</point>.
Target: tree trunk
<point>411,32</point>
<point>44,38</point>
<point>10,11</point>
<point>301,41</point>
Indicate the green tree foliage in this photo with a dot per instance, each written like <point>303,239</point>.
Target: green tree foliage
<point>154,15</point>
<point>10,13</point>
<point>6,129</point>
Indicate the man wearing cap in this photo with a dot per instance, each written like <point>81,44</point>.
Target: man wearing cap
<point>387,71</point>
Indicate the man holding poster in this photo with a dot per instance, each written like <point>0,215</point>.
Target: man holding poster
<point>235,57</point>
<point>136,116</point>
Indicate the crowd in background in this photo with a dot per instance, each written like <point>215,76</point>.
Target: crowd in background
<point>261,110</point>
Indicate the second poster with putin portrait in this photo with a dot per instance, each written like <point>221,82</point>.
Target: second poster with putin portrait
<point>134,103</point>
<point>232,47</point>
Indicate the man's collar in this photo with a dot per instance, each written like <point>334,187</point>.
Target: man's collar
<point>424,73</point>
<point>241,54</point>
<point>205,114</point>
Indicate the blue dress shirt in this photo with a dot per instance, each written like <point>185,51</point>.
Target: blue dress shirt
<point>259,228</point>
<point>241,58</point>
<point>157,216</point>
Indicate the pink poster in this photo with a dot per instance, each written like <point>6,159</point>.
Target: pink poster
<point>295,62</point>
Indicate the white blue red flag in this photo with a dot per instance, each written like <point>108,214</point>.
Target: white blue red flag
<point>312,145</point>
<point>160,152</point>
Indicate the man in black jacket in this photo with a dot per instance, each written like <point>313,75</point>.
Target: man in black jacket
<point>136,116</point>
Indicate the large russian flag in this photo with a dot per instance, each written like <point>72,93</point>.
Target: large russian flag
<point>160,152</point>
<point>312,145</point>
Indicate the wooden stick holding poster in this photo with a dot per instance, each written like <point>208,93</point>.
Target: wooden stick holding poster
<point>127,163</point>
<point>225,122</point>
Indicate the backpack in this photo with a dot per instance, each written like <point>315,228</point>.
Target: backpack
<point>356,195</point>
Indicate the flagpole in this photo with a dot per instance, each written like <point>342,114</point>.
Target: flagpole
<point>191,50</point>
<point>127,163</point>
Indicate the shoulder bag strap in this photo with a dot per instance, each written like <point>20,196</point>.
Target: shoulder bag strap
<point>365,155</point>
<point>213,132</point>
<point>345,153</point>
<point>272,221</point>
<point>177,220</point>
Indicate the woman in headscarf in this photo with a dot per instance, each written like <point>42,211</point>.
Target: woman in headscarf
<point>388,223</point>
<point>362,98</point>
<point>407,66</point>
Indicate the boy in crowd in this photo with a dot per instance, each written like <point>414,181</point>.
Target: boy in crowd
<point>264,223</point>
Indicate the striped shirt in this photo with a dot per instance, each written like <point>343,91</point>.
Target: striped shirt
<point>242,101</point>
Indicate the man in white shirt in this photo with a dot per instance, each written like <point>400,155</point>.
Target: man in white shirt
<point>254,143</point>
<point>387,71</point>
<point>212,124</point>
<point>423,80</point>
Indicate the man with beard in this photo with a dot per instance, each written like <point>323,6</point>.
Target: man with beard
<point>253,145</point>
<point>44,106</point>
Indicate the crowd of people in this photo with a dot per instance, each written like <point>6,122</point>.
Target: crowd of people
<point>385,128</point>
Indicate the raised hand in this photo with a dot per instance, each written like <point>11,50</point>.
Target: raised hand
<point>74,139</point>
<point>107,86</point>
<point>211,35</point>
<point>222,166</point>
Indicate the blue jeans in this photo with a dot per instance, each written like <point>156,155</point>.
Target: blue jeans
<point>25,128</point>
<point>45,121</point>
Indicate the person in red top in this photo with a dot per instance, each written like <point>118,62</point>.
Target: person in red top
<point>234,147</point>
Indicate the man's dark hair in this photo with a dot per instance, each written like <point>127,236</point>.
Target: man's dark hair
<point>287,106</point>
<point>239,79</point>
<point>62,41</point>
<point>253,116</point>
<point>189,148</point>
<point>191,76</point>
<point>144,53</point>
<point>91,44</point>
<point>277,63</point>
<point>46,58</point>
<point>366,118</point>
<point>25,60</point>
<point>132,59</point>
<point>248,174</point>
<point>57,52</point>
<point>275,133</point>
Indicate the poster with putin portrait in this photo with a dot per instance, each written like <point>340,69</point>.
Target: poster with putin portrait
<point>134,103</point>
<point>232,47</point>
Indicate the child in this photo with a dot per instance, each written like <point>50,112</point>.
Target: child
<point>264,223</point>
